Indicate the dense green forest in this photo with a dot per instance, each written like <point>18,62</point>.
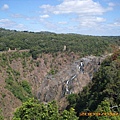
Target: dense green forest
<point>48,42</point>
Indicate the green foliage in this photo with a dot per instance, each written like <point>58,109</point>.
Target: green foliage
<point>52,109</point>
<point>1,115</point>
<point>24,63</point>
<point>105,111</point>
<point>9,80</point>
<point>3,95</point>
<point>68,115</point>
<point>3,60</point>
<point>33,110</point>
<point>72,98</point>
<point>52,71</point>
<point>34,51</point>
<point>42,42</point>
<point>8,57</point>
<point>26,86</point>
<point>22,90</point>
<point>18,90</point>
<point>37,63</point>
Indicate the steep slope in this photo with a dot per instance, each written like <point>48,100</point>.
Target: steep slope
<point>49,77</point>
<point>69,80</point>
<point>18,71</point>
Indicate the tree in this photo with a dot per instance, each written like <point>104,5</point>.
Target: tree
<point>69,115</point>
<point>105,112</point>
<point>1,115</point>
<point>33,110</point>
<point>72,98</point>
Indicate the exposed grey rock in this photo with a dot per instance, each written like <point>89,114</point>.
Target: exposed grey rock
<point>69,80</point>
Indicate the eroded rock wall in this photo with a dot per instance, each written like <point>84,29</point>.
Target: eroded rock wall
<point>69,80</point>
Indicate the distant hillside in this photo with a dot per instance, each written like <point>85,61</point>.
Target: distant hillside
<point>47,42</point>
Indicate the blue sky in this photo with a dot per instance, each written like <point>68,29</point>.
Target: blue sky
<point>90,17</point>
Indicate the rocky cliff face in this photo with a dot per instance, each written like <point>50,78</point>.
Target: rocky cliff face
<point>67,77</point>
<point>71,79</point>
<point>28,69</point>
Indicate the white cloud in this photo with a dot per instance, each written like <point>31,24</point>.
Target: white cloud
<point>111,4</point>
<point>5,7</point>
<point>76,6</point>
<point>63,22</point>
<point>17,16</point>
<point>6,23</point>
<point>20,27</point>
<point>88,12</point>
<point>22,16</point>
<point>115,24</point>
<point>44,16</point>
<point>90,21</point>
<point>50,25</point>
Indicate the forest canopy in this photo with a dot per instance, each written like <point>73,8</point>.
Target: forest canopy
<point>47,42</point>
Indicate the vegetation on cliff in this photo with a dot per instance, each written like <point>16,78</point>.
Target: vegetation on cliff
<point>103,94</point>
<point>20,88</point>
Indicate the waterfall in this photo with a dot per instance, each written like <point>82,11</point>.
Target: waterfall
<point>67,84</point>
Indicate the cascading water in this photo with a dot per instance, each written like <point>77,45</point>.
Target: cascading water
<point>67,83</point>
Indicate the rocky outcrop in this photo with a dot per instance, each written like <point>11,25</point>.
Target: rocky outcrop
<point>69,80</point>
